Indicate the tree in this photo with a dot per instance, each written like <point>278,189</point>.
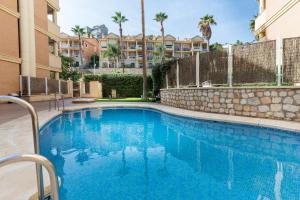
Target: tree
<point>120,19</point>
<point>68,71</point>
<point>145,79</point>
<point>112,53</point>
<point>94,58</point>
<point>205,24</point>
<point>161,17</point>
<point>215,47</point>
<point>238,42</point>
<point>252,24</point>
<point>77,30</point>
<point>89,33</point>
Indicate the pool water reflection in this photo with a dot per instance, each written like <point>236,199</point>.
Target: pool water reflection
<point>145,154</point>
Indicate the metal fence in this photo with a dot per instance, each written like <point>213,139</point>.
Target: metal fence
<point>42,86</point>
<point>267,62</point>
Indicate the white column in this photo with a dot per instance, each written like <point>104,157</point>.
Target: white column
<point>198,69</point>
<point>279,60</point>
<point>230,66</point>
<point>46,86</point>
<point>27,37</point>
<point>167,81</point>
<point>177,74</point>
<point>59,87</point>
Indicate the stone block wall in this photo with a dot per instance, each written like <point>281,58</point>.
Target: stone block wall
<point>272,103</point>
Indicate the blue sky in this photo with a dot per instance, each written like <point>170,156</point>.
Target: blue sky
<point>232,16</point>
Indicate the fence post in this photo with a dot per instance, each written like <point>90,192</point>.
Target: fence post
<point>177,74</point>
<point>59,87</point>
<point>230,66</point>
<point>28,85</point>
<point>21,85</point>
<point>167,80</point>
<point>279,60</point>
<point>198,69</point>
<point>46,86</point>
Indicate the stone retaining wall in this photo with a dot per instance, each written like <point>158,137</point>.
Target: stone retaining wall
<point>272,103</point>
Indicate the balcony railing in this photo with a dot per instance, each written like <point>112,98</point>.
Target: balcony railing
<point>186,49</point>
<point>53,28</point>
<point>54,61</point>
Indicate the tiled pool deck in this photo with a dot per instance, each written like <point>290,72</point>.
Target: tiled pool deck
<point>17,182</point>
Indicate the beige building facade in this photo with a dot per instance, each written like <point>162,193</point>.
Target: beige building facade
<point>278,19</point>
<point>69,46</point>
<point>132,48</point>
<point>29,44</point>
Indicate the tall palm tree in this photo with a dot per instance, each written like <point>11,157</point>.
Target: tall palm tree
<point>252,23</point>
<point>112,53</point>
<point>144,51</point>
<point>161,17</point>
<point>77,30</point>
<point>120,19</point>
<point>89,33</point>
<point>205,24</point>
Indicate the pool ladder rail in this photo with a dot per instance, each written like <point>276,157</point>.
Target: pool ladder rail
<point>56,100</point>
<point>39,160</point>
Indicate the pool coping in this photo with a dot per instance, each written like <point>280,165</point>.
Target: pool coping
<point>17,138</point>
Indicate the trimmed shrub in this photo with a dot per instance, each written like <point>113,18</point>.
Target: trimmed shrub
<point>127,85</point>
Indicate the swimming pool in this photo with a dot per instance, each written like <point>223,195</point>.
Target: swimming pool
<point>133,154</point>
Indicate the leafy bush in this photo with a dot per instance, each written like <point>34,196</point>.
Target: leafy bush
<point>158,75</point>
<point>127,85</point>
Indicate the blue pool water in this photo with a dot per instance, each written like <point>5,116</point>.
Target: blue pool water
<point>140,154</point>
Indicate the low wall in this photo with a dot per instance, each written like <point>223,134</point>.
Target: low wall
<point>273,103</point>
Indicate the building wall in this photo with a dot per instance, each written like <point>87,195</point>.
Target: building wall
<point>284,26</point>
<point>272,103</point>
<point>9,48</point>
<point>277,18</point>
<point>132,48</point>
<point>42,73</point>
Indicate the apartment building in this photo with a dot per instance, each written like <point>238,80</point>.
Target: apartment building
<point>277,19</point>
<point>69,46</point>
<point>132,48</point>
<point>29,39</point>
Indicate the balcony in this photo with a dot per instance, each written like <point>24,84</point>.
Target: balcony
<point>54,3</point>
<point>149,48</point>
<point>260,20</point>
<point>54,61</point>
<point>186,49</point>
<point>53,28</point>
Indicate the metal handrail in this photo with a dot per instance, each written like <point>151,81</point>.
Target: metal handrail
<point>35,127</point>
<point>57,102</point>
<point>40,160</point>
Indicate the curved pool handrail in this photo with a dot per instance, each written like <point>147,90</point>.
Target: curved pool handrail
<point>35,130</point>
<point>41,161</point>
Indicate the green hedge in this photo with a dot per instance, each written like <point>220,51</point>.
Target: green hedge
<point>127,85</point>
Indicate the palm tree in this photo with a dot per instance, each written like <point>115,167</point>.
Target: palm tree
<point>161,17</point>
<point>77,30</point>
<point>252,23</point>
<point>89,33</point>
<point>144,51</point>
<point>205,24</point>
<point>112,53</point>
<point>119,19</point>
